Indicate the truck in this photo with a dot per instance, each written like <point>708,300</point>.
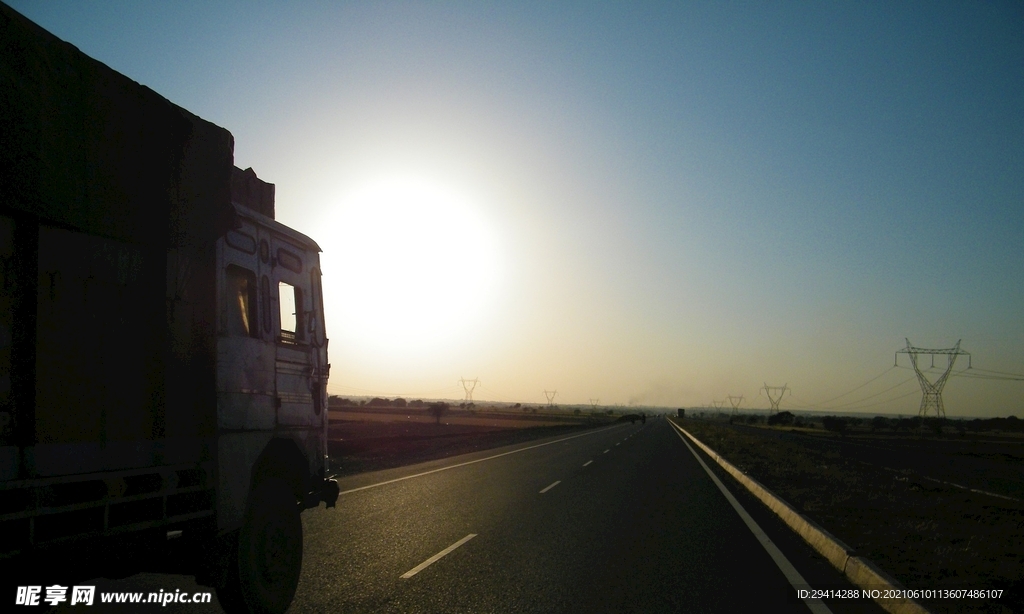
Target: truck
<point>163,350</point>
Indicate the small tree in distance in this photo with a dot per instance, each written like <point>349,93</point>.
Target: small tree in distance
<point>438,409</point>
<point>834,424</point>
<point>783,417</point>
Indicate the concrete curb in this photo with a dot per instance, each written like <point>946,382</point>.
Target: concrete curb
<point>861,572</point>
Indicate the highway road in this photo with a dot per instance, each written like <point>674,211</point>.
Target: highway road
<point>616,519</point>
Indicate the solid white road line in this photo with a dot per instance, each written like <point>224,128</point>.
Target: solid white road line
<point>550,486</point>
<point>587,463</point>
<point>479,460</point>
<point>415,570</point>
<point>816,605</point>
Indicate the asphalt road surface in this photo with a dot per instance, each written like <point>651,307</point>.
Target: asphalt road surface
<point>616,519</point>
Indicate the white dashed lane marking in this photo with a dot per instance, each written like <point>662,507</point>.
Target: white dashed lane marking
<point>550,486</point>
<point>427,563</point>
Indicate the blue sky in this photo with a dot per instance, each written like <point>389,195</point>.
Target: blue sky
<point>676,201</point>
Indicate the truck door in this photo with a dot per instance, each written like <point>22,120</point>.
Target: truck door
<point>295,354</point>
<point>245,347</point>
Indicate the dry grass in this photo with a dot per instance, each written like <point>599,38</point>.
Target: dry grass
<point>925,533</point>
<point>360,441</point>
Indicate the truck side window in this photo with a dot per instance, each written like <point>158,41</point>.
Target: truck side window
<point>290,301</point>
<point>241,302</point>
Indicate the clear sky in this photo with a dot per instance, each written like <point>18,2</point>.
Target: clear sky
<point>660,204</point>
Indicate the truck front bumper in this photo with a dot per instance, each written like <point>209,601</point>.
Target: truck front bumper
<point>327,492</point>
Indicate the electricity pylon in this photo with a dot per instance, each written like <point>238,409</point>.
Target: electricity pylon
<point>781,390</point>
<point>717,404</point>
<point>931,392</point>
<point>735,402</point>
<point>468,385</point>
<point>550,394</point>
<point>594,402</point>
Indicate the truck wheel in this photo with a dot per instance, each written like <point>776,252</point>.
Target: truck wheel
<point>269,557</point>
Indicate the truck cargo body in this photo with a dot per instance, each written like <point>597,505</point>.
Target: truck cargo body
<point>149,377</point>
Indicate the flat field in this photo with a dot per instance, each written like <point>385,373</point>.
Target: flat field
<point>370,439</point>
<point>934,511</point>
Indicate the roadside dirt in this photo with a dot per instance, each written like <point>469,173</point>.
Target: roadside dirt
<point>369,441</point>
<point>906,504</point>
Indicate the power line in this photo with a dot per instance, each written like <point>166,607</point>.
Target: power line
<point>990,375</point>
<point>336,388</point>
<point>855,404</point>
<point>988,370</point>
<point>854,389</point>
<point>997,372</point>
<point>842,405</point>
<point>492,393</point>
<point>876,403</point>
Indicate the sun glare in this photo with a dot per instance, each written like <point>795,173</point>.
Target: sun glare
<point>410,264</point>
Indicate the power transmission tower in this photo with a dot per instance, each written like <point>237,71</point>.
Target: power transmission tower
<point>931,392</point>
<point>593,403</point>
<point>468,385</point>
<point>735,402</point>
<point>717,404</point>
<point>771,390</point>
<point>550,394</point>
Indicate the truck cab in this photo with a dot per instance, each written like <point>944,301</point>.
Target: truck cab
<point>271,354</point>
<point>272,375</point>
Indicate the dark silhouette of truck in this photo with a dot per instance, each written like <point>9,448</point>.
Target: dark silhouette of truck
<point>163,352</point>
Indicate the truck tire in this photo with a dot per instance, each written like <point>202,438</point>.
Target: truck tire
<point>265,573</point>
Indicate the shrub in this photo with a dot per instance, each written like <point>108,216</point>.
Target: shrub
<point>935,424</point>
<point>834,424</point>
<point>783,418</point>
<point>437,410</point>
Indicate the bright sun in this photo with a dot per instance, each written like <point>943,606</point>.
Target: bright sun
<point>408,264</point>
